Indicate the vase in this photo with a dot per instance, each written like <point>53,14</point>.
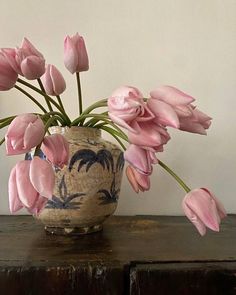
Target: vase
<point>86,190</point>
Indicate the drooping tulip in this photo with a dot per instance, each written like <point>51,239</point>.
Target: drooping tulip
<point>75,54</point>
<point>8,76</point>
<point>30,185</point>
<point>26,60</point>
<point>25,132</point>
<point>174,97</point>
<point>138,181</point>
<point>53,81</point>
<point>125,105</point>
<point>56,149</point>
<point>203,209</point>
<point>139,159</point>
<point>197,122</point>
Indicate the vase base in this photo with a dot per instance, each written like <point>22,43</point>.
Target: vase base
<point>73,231</point>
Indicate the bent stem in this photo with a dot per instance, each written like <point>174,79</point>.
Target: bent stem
<point>48,97</point>
<point>176,177</point>
<point>43,90</point>
<point>31,97</point>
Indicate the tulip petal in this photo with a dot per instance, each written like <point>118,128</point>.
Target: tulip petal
<point>27,194</point>
<point>14,201</point>
<point>132,179</point>
<point>34,134</point>
<point>42,177</point>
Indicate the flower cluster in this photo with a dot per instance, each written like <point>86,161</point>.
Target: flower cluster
<point>140,121</point>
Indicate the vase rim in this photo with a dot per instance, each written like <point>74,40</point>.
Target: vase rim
<point>76,131</point>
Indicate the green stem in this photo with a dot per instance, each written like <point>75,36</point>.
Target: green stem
<point>79,93</point>
<point>6,123</point>
<point>48,97</point>
<point>2,141</point>
<point>31,97</point>
<point>108,130</point>
<point>99,104</point>
<point>60,102</point>
<point>176,177</point>
<point>43,90</point>
<point>7,118</point>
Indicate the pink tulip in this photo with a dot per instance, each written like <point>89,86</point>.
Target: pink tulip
<point>8,76</point>
<point>125,105</point>
<point>139,159</point>
<point>148,134</point>
<point>53,81</point>
<point>203,209</point>
<point>75,54</point>
<point>137,180</point>
<point>26,60</point>
<point>25,132</point>
<point>30,185</point>
<point>198,122</point>
<point>56,149</point>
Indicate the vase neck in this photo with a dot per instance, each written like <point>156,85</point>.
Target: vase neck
<point>76,132</point>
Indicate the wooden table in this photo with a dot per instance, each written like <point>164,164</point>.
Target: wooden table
<point>132,255</point>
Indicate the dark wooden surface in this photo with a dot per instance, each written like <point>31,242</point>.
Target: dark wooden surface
<point>132,255</point>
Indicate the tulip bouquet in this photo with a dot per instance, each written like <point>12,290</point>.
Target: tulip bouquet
<point>130,117</point>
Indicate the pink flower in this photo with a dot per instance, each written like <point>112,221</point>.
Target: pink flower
<point>124,107</point>
<point>26,60</point>
<point>174,97</point>
<point>53,81</point>
<point>197,122</point>
<point>139,159</point>
<point>148,135</point>
<point>56,149</point>
<point>30,185</point>
<point>75,54</point>
<point>138,181</point>
<point>203,209</point>
<point>8,76</point>
<point>25,132</point>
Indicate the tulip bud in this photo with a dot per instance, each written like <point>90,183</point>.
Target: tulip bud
<point>53,81</point>
<point>25,132</point>
<point>75,54</point>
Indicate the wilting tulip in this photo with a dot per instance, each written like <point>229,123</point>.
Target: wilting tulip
<point>30,185</point>
<point>53,81</point>
<point>198,122</point>
<point>25,132</point>
<point>139,159</point>
<point>56,149</point>
<point>75,54</point>
<point>137,180</point>
<point>26,60</point>
<point>8,76</point>
<point>148,134</point>
<point>203,209</point>
<point>179,100</point>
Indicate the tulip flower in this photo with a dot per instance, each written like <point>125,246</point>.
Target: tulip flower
<point>53,81</point>
<point>198,122</point>
<point>138,181</point>
<point>8,76</point>
<point>172,96</point>
<point>125,105</point>
<point>139,159</point>
<point>75,54</point>
<point>25,132</point>
<point>203,209</point>
<point>148,134</point>
<point>56,149</point>
<point>30,185</point>
<point>26,60</point>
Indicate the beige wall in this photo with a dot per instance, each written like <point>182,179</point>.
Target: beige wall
<point>185,43</point>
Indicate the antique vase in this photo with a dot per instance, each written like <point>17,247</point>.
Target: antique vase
<point>86,191</point>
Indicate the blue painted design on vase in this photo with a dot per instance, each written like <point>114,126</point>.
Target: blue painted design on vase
<point>65,200</point>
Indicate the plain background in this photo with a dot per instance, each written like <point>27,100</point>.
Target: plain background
<point>185,43</point>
